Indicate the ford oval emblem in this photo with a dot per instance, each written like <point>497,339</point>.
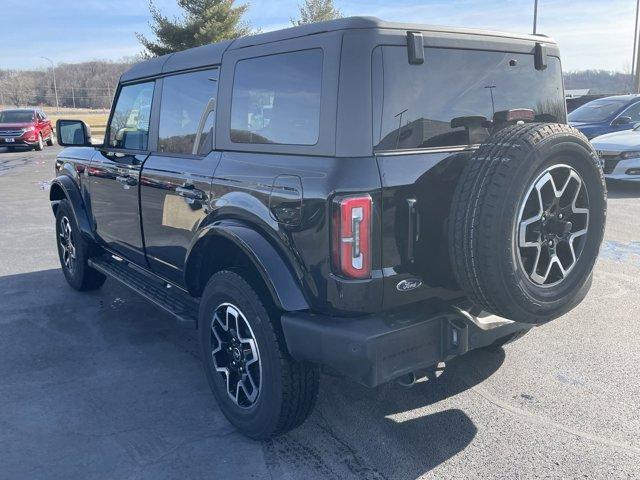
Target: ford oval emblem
<point>408,284</point>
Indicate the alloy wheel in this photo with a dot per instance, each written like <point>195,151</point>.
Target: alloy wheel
<point>67,245</point>
<point>552,225</point>
<point>235,355</point>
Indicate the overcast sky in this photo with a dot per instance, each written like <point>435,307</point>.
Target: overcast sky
<point>591,33</point>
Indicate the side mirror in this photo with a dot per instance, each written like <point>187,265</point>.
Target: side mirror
<point>73,133</point>
<point>621,121</point>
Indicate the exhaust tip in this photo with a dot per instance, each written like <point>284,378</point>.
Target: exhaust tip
<point>408,380</point>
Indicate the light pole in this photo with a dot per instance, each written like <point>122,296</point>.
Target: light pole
<point>55,85</point>
<point>635,66</point>
<point>535,17</point>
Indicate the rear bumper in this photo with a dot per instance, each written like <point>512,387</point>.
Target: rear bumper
<point>375,349</point>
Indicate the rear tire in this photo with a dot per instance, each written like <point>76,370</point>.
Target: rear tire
<point>523,180</point>
<point>254,355</point>
<point>50,140</point>
<point>74,251</point>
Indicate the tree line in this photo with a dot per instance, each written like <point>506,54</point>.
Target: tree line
<point>79,85</point>
<point>91,84</point>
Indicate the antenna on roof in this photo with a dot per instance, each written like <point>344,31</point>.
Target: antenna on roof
<point>535,17</point>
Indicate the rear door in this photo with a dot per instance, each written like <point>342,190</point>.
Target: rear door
<point>115,170</point>
<point>428,118</point>
<point>176,178</point>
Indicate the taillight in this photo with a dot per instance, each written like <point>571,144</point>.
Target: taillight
<point>352,236</point>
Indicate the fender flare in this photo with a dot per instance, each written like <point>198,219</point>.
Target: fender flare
<point>72,194</point>
<point>284,288</point>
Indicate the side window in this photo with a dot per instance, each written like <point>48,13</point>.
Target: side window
<point>633,112</point>
<point>187,101</point>
<point>129,127</point>
<point>276,99</point>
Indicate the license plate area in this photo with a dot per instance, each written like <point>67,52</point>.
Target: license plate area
<point>9,140</point>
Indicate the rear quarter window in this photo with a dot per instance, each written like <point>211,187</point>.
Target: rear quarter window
<point>422,106</point>
<point>276,99</point>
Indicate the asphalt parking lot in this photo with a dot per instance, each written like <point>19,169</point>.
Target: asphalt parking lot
<point>103,385</point>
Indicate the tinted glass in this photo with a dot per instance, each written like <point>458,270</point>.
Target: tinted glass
<point>597,110</point>
<point>129,127</point>
<point>632,112</point>
<point>16,116</point>
<point>451,99</point>
<point>184,102</point>
<point>276,99</point>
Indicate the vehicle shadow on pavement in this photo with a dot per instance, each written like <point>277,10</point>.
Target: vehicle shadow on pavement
<point>92,352</point>
<point>387,432</point>
<point>621,189</point>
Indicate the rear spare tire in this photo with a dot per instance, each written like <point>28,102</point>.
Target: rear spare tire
<point>527,220</point>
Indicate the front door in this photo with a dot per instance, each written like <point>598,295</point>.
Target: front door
<point>114,174</point>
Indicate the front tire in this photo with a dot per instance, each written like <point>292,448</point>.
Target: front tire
<point>74,251</point>
<point>261,390</point>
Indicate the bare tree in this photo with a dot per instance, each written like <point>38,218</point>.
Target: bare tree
<point>17,89</point>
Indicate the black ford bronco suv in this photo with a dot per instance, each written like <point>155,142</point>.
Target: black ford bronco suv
<point>368,197</point>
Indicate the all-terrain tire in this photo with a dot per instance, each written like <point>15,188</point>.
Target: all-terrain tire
<point>287,390</point>
<point>75,267</point>
<point>484,221</point>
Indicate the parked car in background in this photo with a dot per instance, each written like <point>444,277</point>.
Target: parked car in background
<point>619,153</point>
<point>25,127</point>
<point>606,115</point>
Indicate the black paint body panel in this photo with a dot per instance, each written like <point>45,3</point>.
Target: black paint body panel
<point>283,194</point>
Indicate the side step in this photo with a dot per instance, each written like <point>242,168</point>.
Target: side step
<point>171,299</point>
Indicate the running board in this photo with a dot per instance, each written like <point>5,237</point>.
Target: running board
<point>171,299</point>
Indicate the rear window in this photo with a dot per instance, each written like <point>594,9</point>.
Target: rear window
<point>597,110</point>
<point>445,101</point>
<point>16,116</point>
<point>276,99</point>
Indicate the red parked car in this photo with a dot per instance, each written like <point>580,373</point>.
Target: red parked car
<point>25,127</point>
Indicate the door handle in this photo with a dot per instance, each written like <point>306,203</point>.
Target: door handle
<point>413,233</point>
<point>190,193</point>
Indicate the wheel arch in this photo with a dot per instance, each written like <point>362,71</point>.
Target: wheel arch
<point>240,246</point>
<point>63,188</point>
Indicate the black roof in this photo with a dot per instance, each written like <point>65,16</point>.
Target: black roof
<point>212,54</point>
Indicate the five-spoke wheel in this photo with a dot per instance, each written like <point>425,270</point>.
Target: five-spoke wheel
<point>65,239</point>
<point>235,355</point>
<point>552,225</point>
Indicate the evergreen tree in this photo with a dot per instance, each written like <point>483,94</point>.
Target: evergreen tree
<point>317,11</point>
<point>203,22</point>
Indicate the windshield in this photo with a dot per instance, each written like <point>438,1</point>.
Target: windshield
<point>16,116</point>
<point>597,110</point>
<point>454,97</point>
